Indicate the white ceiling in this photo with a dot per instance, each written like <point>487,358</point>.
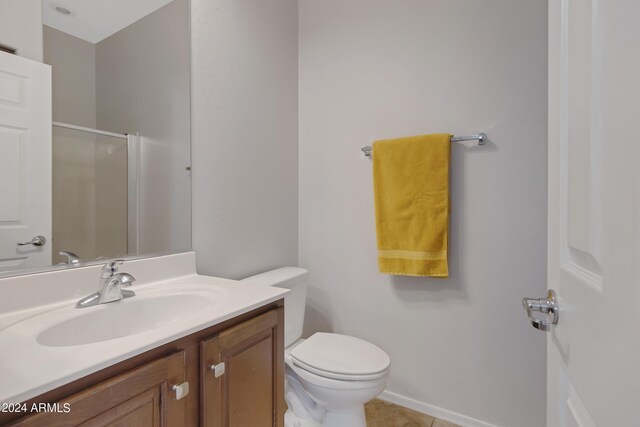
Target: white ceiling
<point>95,20</point>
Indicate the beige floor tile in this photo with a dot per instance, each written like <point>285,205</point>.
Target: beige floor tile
<point>442,423</point>
<point>384,414</point>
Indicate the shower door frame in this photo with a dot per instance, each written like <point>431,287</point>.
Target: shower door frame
<point>133,186</point>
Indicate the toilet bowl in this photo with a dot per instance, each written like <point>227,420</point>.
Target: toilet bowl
<point>340,373</point>
<point>329,377</point>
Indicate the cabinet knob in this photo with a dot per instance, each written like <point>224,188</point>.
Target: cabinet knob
<point>181,390</point>
<point>218,370</point>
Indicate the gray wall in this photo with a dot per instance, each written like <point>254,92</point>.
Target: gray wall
<point>73,63</point>
<point>21,27</point>
<point>372,69</point>
<point>142,77</point>
<point>244,128</point>
<point>73,74</point>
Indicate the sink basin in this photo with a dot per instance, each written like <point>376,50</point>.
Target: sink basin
<point>122,318</point>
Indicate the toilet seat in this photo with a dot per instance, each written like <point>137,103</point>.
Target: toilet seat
<point>316,380</point>
<point>340,357</point>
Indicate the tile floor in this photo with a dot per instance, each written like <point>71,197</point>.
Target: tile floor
<point>384,414</point>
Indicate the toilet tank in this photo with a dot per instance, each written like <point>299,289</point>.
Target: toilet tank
<point>294,279</point>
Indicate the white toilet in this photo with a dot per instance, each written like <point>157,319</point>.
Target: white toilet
<point>329,377</point>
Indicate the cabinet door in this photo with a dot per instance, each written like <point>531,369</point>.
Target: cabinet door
<point>249,390</point>
<point>142,397</point>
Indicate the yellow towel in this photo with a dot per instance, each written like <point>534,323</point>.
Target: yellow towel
<point>411,190</point>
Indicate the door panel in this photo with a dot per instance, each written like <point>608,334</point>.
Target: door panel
<point>594,212</point>
<point>143,410</point>
<point>142,397</point>
<point>252,370</point>
<point>250,391</point>
<point>25,161</point>
<point>582,147</point>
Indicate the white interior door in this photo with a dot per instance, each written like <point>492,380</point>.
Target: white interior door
<point>593,352</point>
<point>25,162</point>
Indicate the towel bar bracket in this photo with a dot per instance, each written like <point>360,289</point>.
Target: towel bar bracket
<point>480,137</point>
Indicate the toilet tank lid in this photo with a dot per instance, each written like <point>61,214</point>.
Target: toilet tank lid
<point>282,277</point>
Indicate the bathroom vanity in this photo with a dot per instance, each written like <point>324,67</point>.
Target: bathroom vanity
<point>103,174</point>
<point>95,152</point>
<point>187,350</point>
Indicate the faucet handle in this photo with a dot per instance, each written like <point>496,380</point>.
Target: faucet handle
<point>125,279</point>
<point>110,268</point>
<point>72,258</point>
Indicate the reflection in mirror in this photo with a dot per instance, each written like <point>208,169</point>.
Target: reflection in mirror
<point>120,140</point>
<point>90,194</point>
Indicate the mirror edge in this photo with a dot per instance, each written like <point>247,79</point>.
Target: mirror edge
<point>62,267</point>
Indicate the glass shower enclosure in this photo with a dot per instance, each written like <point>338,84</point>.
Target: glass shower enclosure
<point>94,193</point>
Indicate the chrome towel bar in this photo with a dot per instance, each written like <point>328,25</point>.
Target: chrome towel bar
<point>480,139</point>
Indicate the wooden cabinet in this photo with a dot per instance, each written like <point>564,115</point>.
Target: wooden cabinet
<point>141,397</point>
<point>241,379</point>
<point>138,392</point>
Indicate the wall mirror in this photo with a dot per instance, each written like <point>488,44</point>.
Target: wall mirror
<point>120,181</point>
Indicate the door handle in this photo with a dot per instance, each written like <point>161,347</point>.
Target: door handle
<point>36,241</point>
<point>548,306</point>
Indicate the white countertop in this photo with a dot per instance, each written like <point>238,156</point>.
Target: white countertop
<point>29,368</point>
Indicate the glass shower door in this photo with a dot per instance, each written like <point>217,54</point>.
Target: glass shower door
<point>90,193</point>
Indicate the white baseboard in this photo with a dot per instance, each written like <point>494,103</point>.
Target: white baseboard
<point>434,411</point>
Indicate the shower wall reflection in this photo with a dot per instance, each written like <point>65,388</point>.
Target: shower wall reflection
<point>90,195</point>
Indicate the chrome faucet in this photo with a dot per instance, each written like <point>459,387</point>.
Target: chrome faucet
<point>72,258</point>
<point>110,287</point>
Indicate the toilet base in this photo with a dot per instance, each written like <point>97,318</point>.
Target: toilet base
<point>292,420</point>
<point>352,417</point>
